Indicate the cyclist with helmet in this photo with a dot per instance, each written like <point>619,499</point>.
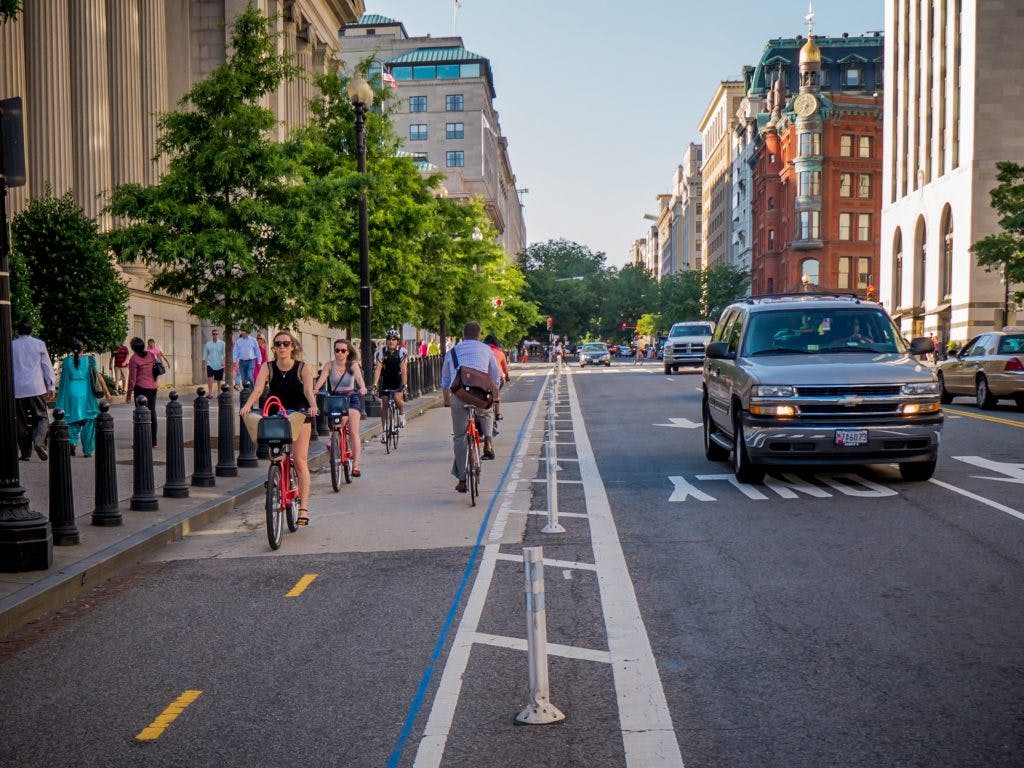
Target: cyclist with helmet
<point>390,372</point>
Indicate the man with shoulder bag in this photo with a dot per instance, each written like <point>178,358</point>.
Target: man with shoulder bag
<point>470,366</point>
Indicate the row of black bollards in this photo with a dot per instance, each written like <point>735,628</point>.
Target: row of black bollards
<point>107,510</point>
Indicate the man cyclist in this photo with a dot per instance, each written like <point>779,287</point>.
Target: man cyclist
<point>390,372</point>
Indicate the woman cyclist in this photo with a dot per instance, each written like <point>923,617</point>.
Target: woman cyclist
<point>344,377</point>
<point>291,381</point>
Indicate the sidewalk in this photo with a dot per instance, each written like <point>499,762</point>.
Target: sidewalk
<point>104,552</point>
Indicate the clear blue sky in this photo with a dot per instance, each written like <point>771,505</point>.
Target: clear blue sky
<point>598,99</point>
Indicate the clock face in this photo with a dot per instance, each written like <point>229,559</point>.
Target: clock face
<point>805,104</point>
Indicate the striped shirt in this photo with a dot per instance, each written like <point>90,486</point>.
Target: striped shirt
<point>472,354</point>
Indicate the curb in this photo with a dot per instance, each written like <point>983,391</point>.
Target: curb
<point>34,601</point>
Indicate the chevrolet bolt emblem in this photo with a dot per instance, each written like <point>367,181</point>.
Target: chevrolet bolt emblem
<point>850,401</point>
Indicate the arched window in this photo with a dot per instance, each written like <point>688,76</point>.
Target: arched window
<point>897,270</point>
<point>920,261</point>
<point>946,246</point>
<point>809,274</point>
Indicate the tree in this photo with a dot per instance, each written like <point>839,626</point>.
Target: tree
<point>681,296</point>
<point>1005,249</point>
<point>630,293</point>
<point>9,10</point>
<point>723,285</point>
<point>226,225</point>
<point>566,280</point>
<point>650,324</point>
<point>64,280</point>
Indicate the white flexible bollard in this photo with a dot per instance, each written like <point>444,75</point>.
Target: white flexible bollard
<point>540,710</point>
<point>551,460</point>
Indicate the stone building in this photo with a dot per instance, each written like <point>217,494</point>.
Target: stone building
<point>716,129</point>
<point>445,115</point>
<point>817,165</point>
<point>953,109</point>
<point>678,221</point>
<point>94,74</point>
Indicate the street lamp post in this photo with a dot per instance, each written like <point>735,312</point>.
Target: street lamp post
<point>360,94</point>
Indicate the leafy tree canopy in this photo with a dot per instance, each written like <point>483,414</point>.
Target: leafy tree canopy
<point>630,293</point>
<point>63,279</point>
<point>1005,250</point>
<point>723,285</point>
<point>566,280</point>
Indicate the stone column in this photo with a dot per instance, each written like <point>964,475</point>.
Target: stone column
<point>12,83</point>
<point>153,31</point>
<point>90,98</point>
<point>48,134</point>
<point>290,113</point>
<point>125,62</point>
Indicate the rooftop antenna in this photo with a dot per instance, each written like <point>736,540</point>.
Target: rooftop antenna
<point>810,19</point>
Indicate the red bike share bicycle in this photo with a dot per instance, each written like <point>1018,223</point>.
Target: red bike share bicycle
<point>274,430</point>
<point>340,451</point>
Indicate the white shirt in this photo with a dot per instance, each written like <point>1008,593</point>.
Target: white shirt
<point>33,373</point>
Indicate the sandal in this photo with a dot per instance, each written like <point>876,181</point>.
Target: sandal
<point>356,472</point>
<point>303,519</point>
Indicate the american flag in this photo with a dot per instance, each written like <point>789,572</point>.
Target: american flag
<point>389,79</point>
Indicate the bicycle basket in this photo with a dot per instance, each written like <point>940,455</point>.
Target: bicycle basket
<point>274,430</point>
<point>336,407</point>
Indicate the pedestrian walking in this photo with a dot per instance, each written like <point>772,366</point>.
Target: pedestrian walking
<point>119,368</point>
<point>433,348</point>
<point>81,386</point>
<point>247,353</point>
<point>33,378</point>
<point>261,343</point>
<point>213,355</point>
<point>142,379</point>
<point>935,348</point>
<point>422,350</point>
<point>157,353</point>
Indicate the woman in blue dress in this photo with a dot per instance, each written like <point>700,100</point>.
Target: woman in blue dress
<point>76,399</point>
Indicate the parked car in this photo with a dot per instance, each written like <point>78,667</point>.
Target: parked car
<point>595,353</point>
<point>686,344</point>
<point>989,367</point>
<point>810,380</point>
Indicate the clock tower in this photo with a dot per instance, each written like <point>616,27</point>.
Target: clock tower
<point>807,232</point>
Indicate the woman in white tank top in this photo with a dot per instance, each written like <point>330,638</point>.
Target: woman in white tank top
<point>343,376</point>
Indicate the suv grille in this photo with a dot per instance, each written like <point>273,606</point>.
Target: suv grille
<point>853,389</point>
<point>688,347</point>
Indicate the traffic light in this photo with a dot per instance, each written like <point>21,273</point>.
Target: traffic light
<point>551,322</point>
<point>623,326</point>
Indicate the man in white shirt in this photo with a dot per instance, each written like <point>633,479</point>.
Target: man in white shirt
<point>33,378</point>
<point>213,356</point>
<point>472,353</point>
<point>245,352</point>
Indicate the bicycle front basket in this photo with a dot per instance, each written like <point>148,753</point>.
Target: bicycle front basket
<point>336,406</point>
<point>274,430</point>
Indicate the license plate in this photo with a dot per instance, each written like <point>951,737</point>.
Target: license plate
<point>851,437</point>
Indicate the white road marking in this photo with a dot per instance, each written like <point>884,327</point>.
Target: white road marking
<point>745,488</point>
<point>786,488</point>
<point>683,490</point>
<point>976,497</point>
<point>679,424</point>
<point>567,575</point>
<point>544,513</point>
<point>549,562</point>
<point>648,736</point>
<point>569,482</point>
<point>1014,473</point>
<point>554,649</point>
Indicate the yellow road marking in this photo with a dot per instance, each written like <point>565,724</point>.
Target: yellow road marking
<point>300,587</point>
<point>996,419</point>
<point>168,716</point>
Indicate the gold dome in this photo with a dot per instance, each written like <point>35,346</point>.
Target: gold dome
<point>810,53</point>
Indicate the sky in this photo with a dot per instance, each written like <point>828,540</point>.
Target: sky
<point>599,99</point>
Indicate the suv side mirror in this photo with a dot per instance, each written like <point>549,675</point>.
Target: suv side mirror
<point>922,345</point>
<point>719,350</point>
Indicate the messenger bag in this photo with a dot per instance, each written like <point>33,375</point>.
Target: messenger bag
<point>471,386</point>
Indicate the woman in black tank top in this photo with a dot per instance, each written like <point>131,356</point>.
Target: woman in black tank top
<point>291,381</point>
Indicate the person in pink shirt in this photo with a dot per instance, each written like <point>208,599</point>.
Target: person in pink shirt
<point>141,381</point>
<point>261,342</point>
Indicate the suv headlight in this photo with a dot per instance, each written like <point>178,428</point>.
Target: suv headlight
<point>772,390</point>
<point>925,388</point>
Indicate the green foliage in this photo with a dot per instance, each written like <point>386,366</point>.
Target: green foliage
<point>9,10</point>
<point>722,286</point>
<point>682,296</point>
<point>565,280</point>
<point>631,292</point>
<point>63,279</point>
<point>650,324</point>
<point>1005,250</point>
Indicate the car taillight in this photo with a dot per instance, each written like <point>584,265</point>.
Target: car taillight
<point>1014,364</point>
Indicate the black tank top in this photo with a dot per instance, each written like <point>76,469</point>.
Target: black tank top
<point>287,386</point>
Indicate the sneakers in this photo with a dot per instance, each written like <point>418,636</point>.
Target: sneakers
<point>401,420</point>
<point>40,450</point>
<point>488,450</point>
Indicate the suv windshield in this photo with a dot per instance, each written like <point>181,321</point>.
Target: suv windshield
<point>690,329</point>
<point>822,330</point>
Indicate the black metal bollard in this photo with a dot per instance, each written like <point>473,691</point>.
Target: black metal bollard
<point>414,378</point>
<point>202,462</point>
<point>322,427</point>
<point>107,511</point>
<point>246,450</point>
<point>62,495</point>
<point>143,486</point>
<point>226,466</point>
<point>175,486</point>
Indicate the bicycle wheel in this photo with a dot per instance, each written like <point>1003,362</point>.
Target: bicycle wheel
<point>293,508</point>
<point>388,426</point>
<point>393,434</point>
<point>273,506</point>
<point>474,475</point>
<point>346,457</point>
<point>335,460</point>
<point>468,466</point>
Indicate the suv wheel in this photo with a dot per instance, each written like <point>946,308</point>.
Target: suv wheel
<point>668,370</point>
<point>918,471</point>
<point>945,396</point>
<point>745,471</point>
<point>712,450</point>
<point>985,400</point>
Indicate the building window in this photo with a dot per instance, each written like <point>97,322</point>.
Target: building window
<point>824,77</point>
<point>771,237</point>
<point>897,270</point>
<point>771,203</point>
<point>863,226</point>
<point>864,146</point>
<point>852,76</point>
<point>455,130</point>
<point>810,144</point>
<point>844,272</point>
<point>810,183</point>
<point>846,185</point>
<point>864,186</point>
<point>810,225</point>
<point>417,103</point>
<point>844,226</point>
<point>418,132</point>
<point>846,145</point>
<point>771,158</point>
<point>455,159</point>
<point>420,158</point>
<point>424,72</point>
<point>946,267</point>
<point>863,273</point>
<point>809,272</point>
<point>453,102</point>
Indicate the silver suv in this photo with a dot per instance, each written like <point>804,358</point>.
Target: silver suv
<point>818,379</point>
<point>686,344</point>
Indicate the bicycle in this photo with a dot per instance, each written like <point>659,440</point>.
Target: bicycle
<point>282,496</point>
<point>390,411</point>
<point>472,464</point>
<point>340,452</point>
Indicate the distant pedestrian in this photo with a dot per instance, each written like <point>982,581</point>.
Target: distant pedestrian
<point>119,368</point>
<point>213,356</point>
<point>75,396</point>
<point>33,378</point>
<point>422,351</point>
<point>246,353</point>
<point>141,379</point>
<point>935,348</point>
<point>261,342</point>
<point>433,348</point>
<point>158,353</point>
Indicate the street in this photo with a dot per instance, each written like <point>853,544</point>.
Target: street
<point>840,617</point>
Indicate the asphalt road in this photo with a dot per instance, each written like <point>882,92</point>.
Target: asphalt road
<point>833,618</point>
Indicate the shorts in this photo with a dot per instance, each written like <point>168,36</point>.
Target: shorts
<point>217,374</point>
<point>394,386</point>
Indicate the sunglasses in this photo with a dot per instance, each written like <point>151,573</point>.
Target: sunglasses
<point>282,343</point>
<point>341,349</point>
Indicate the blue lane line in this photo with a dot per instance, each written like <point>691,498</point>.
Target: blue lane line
<point>428,673</point>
